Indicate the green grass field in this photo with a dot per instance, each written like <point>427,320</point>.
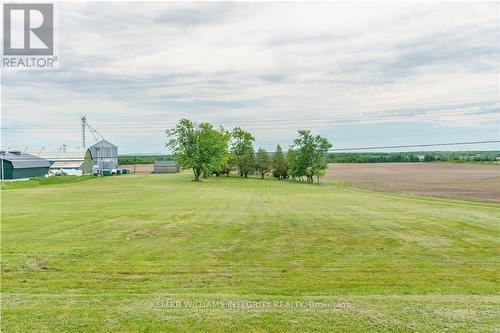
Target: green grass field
<point>153,253</point>
<point>43,181</point>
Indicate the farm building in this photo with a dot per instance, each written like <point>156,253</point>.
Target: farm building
<point>71,161</point>
<point>104,155</point>
<point>166,167</point>
<point>19,165</point>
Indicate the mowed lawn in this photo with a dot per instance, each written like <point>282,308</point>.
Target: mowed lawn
<point>153,253</point>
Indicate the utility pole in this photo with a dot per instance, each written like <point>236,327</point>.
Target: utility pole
<point>84,121</point>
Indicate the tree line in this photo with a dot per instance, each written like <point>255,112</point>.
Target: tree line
<point>399,157</point>
<point>215,151</point>
<point>422,156</point>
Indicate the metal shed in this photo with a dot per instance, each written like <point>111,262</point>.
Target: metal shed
<point>78,160</point>
<point>18,165</point>
<point>166,167</point>
<point>104,155</point>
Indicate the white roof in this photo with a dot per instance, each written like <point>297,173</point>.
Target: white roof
<point>66,165</point>
<point>59,155</point>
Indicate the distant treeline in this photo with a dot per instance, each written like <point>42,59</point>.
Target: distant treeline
<point>427,156</point>
<point>138,159</point>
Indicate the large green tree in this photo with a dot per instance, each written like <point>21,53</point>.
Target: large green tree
<point>295,169</point>
<point>262,163</point>
<point>311,153</point>
<point>279,164</point>
<point>229,165</point>
<point>198,147</point>
<point>241,146</point>
<point>247,162</point>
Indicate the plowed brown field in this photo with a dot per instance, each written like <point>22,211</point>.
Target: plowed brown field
<point>450,180</point>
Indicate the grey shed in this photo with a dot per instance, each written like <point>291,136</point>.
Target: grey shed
<point>166,167</point>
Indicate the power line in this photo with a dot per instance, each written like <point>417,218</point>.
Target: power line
<point>342,149</point>
<point>161,125</point>
<point>419,145</point>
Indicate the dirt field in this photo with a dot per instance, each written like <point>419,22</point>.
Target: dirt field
<point>139,168</point>
<point>450,180</point>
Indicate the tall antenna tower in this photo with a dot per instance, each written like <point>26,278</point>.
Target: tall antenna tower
<point>92,130</point>
<point>84,121</point>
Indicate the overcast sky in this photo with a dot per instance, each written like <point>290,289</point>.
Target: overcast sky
<point>359,74</point>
